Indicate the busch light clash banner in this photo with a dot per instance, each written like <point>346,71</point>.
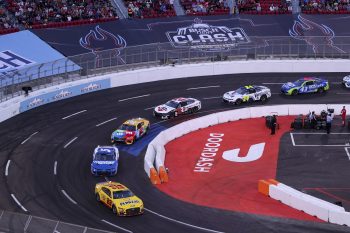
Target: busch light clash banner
<point>24,49</point>
<point>64,94</point>
<point>212,33</point>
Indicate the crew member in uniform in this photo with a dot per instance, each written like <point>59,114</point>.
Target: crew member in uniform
<point>273,124</point>
<point>343,115</point>
<point>328,123</point>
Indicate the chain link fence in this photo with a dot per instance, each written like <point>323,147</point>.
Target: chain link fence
<point>162,54</point>
<point>16,222</point>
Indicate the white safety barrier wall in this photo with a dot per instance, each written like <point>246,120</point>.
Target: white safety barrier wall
<point>11,107</point>
<point>156,154</point>
<point>311,205</point>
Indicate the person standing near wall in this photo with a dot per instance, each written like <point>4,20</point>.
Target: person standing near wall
<point>273,124</point>
<point>329,123</point>
<point>343,116</point>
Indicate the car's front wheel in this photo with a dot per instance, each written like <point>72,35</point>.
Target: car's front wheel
<point>263,98</point>
<point>114,209</point>
<point>294,92</point>
<point>320,90</point>
<point>238,102</point>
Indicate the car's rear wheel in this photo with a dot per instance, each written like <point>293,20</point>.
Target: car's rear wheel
<point>320,90</point>
<point>294,92</point>
<point>238,102</point>
<point>114,209</point>
<point>263,98</point>
<point>98,197</point>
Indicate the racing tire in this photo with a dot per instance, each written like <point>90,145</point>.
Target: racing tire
<point>190,111</point>
<point>98,197</point>
<point>263,99</point>
<point>294,92</point>
<point>114,209</point>
<point>238,102</point>
<point>195,109</point>
<point>320,90</point>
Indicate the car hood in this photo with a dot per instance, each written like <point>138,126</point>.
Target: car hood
<point>103,164</point>
<point>163,108</point>
<point>129,202</point>
<point>230,94</point>
<point>288,85</point>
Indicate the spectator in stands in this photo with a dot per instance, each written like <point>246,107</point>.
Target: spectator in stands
<point>258,7</point>
<point>272,8</point>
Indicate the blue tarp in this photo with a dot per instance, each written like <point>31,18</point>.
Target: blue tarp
<point>24,56</point>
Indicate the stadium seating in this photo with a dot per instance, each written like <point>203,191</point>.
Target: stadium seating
<point>265,7</point>
<point>205,7</point>
<point>325,7</point>
<point>150,8</point>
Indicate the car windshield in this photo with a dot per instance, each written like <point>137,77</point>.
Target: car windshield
<point>122,194</point>
<point>171,104</point>
<point>299,82</point>
<point>241,91</point>
<point>105,156</point>
<point>127,127</point>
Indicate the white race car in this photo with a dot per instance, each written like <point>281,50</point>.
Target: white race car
<point>346,81</point>
<point>176,107</point>
<point>247,94</point>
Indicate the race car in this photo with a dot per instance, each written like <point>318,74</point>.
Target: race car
<point>118,198</point>
<point>346,81</point>
<point>105,161</point>
<point>247,94</point>
<point>176,107</point>
<point>305,85</point>
<point>130,131</point>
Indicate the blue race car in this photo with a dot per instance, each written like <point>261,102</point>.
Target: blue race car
<point>305,85</point>
<point>105,161</point>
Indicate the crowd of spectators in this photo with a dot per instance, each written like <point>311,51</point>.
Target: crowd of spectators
<point>325,6</point>
<point>5,20</point>
<point>45,11</point>
<point>265,6</point>
<point>150,8</point>
<point>205,7</point>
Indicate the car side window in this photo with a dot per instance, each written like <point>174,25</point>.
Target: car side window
<point>106,191</point>
<point>309,83</point>
<point>190,101</point>
<point>183,104</point>
<point>251,91</point>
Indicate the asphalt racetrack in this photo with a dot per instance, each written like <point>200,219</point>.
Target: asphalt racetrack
<point>46,153</point>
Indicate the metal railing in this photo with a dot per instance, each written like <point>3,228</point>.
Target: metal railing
<point>16,222</point>
<point>161,54</point>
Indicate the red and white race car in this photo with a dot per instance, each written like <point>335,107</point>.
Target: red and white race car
<point>176,107</point>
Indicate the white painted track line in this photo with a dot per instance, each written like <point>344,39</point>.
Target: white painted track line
<point>273,83</point>
<point>345,93</point>
<point>291,136</point>
<point>134,97</point>
<point>120,228</point>
<point>7,168</point>
<point>102,123</point>
<point>66,117</point>
<point>70,142</point>
<point>18,203</point>
<point>183,223</point>
<point>29,138</point>
<point>196,88</point>
<point>150,108</point>
<point>55,168</point>
<point>68,197</point>
<point>347,151</point>
<point>214,97</point>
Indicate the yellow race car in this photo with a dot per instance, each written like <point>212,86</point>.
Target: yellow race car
<point>131,130</point>
<point>119,198</point>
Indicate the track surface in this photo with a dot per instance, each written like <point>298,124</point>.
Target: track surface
<point>30,174</point>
